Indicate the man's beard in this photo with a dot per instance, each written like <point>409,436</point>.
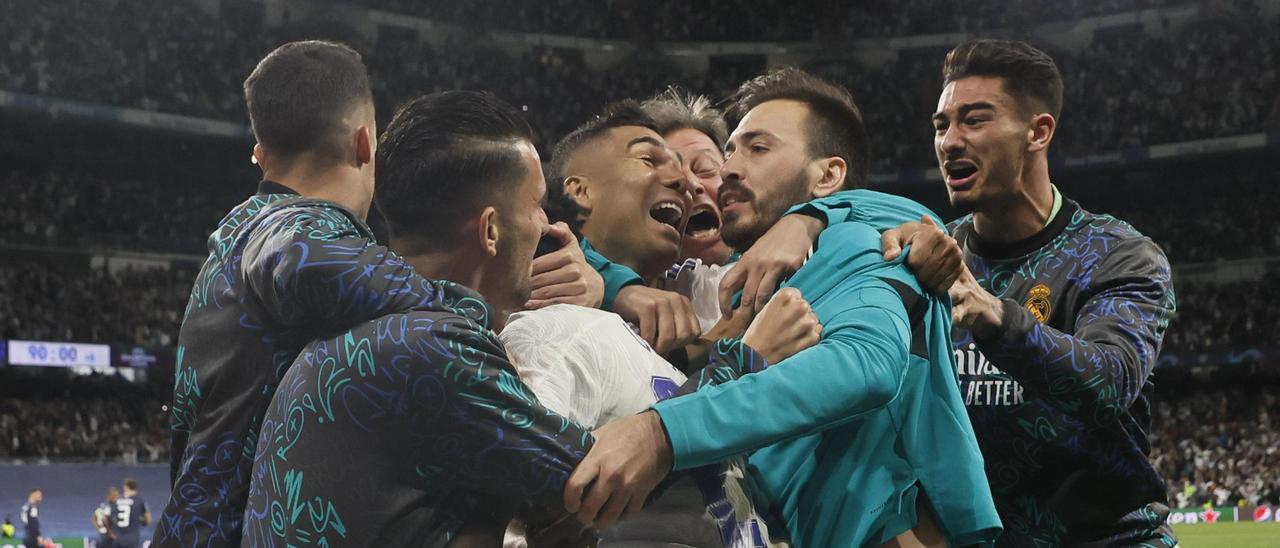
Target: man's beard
<point>767,210</point>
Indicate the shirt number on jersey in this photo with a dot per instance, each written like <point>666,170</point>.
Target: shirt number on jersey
<point>125,509</point>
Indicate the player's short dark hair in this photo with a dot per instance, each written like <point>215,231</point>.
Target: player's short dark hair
<point>131,484</point>
<point>1028,74</point>
<point>836,127</point>
<point>624,113</point>
<point>440,156</point>
<point>299,94</point>
<point>676,109</point>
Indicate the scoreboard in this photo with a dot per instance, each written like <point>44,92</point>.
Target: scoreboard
<point>58,354</point>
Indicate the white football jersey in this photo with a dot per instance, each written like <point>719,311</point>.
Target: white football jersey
<point>100,516</point>
<point>589,366</point>
<point>699,282</point>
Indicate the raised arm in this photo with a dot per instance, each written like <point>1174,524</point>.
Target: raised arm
<point>1100,369</point>
<point>856,368</point>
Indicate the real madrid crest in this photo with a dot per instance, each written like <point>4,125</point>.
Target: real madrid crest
<point>1038,303</point>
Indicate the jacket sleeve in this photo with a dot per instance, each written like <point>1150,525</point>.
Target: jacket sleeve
<point>729,359</point>
<point>1099,370</point>
<point>479,422</point>
<point>858,367</point>
<point>313,265</point>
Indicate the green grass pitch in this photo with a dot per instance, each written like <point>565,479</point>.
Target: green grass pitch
<point>1244,534</point>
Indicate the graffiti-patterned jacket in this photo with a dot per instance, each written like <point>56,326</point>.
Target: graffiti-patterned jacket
<point>1061,400</point>
<point>282,270</point>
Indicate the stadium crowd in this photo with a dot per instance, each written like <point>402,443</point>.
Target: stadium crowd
<point>80,207</point>
<point>1220,447</point>
<point>1126,88</point>
<point>1230,316</point>
<point>1215,447</point>
<point>143,307</point>
<point>131,306</point>
<point>744,20</point>
<point>91,417</point>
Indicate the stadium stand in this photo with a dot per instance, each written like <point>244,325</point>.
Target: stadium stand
<point>1127,86</point>
<point>96,417</point>
<point>71,191</point>
<point>1219,447</point>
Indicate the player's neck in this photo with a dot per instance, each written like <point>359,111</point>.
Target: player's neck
<point>1020,214</point>
<point>619,254</point>
<point>445,265</point>
<point>340,184</point>
<point>464,269</point>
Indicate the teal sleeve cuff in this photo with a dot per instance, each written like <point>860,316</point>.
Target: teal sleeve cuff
<point>681,431</point>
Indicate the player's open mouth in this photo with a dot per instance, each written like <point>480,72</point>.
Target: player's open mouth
<point>960,173</point>
<point>730,201</point>
<point>704,223</point>
<point>668,213</point>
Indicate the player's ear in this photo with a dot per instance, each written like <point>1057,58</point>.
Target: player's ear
<point>364,146</point>
<point>831,179</point>
<point>1041,132</point>
<point>260,156</point>
<point>577,188</point>
<point>488,231</point>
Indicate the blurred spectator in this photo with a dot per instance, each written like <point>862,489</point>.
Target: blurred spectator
<point>913,17</point>
<point>140,307</point>
<point>1197,214</point>
<point>93,417</point>
<point>1220,447</point>
<point>1127,88</point>
<point>75,207</point>
<point>1218,317</point>
<point>755,20</point>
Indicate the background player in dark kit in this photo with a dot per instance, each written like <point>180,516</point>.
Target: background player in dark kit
<point>102,518</point>
<point>31,520</point>
<point>128,515</point>
<point>1059,312</point>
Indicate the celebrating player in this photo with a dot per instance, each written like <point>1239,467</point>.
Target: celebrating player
<point>414,427</point>
<point>856,425</point>
<point>292,262</point>
<point>696,132</point>
<point>631,195</point>
<point>1059,312</point>
<point>589,366</point>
